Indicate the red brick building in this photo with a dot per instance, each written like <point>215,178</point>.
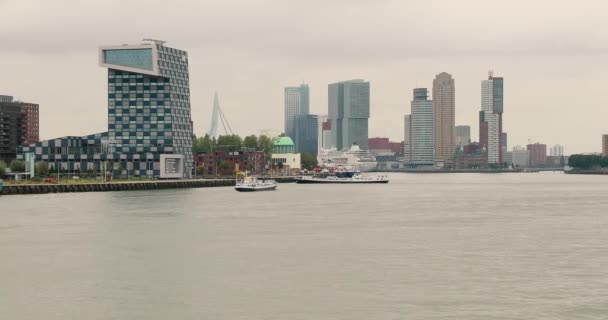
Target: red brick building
<point>383,146</point>
<point>29,123</point>
<point>221,163</point>
<point>538,154</point>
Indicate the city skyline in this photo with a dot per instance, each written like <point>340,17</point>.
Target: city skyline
<point>554,60</point>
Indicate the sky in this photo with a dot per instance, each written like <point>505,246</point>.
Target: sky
<point>553,55</point>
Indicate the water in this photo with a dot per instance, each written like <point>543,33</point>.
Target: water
<point>425,246</point>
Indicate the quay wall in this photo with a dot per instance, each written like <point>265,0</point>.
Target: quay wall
<point>122,186</point>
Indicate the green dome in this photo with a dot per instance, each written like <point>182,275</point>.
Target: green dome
<point>283,145</point>
<point>283,141</point>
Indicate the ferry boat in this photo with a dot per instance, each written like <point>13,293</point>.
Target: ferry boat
<point>249,184</point>
<point>343,178</point>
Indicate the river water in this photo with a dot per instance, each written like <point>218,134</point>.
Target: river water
<point>425,246</point>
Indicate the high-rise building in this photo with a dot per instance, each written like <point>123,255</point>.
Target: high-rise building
<point>503,144</point>
<point>421,128</point>
<point>490,118</point>
<point>443,117</point>
<point>407,138</point>
<point>19,125</point>
<point>150,81</point>
<point>30,122</point>
<point>149,121</point>
<point>297,102</point>
<point>556,151</point>
<point>10,130</point>
<point>324,132</point>
<point>307,133</point>
<point>462,135</point>
<point>538,154</point>
<point>349,104</point>
<point>605,145</point>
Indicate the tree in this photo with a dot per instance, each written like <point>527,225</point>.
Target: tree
<point>41,168</point>
<point>206,144</point>
<point>2,167</point>
<point>265,145</point>
<point>202,144</point>
<point>223,164</point>
<point>231,142</point>
<point>200,170</point>
<point>251,142</point>
<point>309,162</point>
<point>17,166</point>
<point>587,161</point>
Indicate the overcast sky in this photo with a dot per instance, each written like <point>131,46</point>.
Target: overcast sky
<point>552,54</point>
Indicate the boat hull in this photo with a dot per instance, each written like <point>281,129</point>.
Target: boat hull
<point>327,181</point>
<point>253,189</point>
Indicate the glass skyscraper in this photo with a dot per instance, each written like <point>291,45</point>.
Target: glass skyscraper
<point>297,102</point>
<point>348,111</point>
<point>307,133</point>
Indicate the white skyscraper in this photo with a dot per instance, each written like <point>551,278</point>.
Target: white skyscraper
<point>490,118</point>
<point>421,129</point>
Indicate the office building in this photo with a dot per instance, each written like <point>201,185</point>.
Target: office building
<point>503,144</point>
<point>19,125</point>
<point>421,128</point>
<point>538,154</point>
<point>324,134</point>
<point>519,157</point>
<point>384,149</point>
<point>149,123</point>
<point>10,131</point>
<point>605,145</point>
<point>470,156</point>
<point>490,118</point>
<point>349,105</point>
<point>407,139</point>
<point>443,117</point>
<point>297,102</point>
<point>556,151</point>
<point>462,135</point>
<point>307,134</point>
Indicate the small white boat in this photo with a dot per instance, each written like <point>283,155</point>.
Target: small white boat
<point>254,184</point>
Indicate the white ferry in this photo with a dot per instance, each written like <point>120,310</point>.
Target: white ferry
<point>343,178</point>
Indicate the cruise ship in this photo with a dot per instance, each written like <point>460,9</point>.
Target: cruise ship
<point>354,158</point>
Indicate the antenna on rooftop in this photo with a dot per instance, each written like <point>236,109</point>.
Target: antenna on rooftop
<point>159,42</point>
<point>490,74</point>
